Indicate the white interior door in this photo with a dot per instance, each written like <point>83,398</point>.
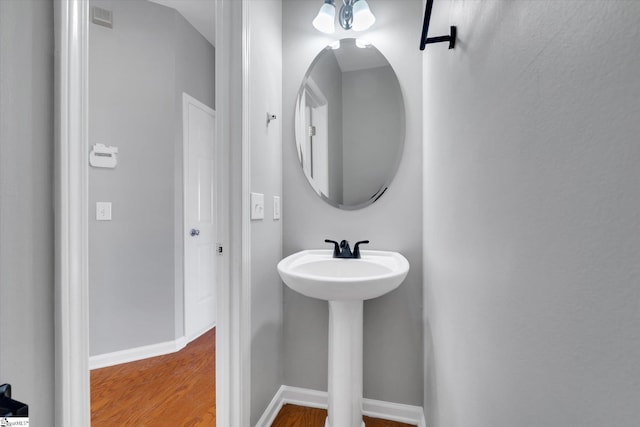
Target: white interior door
<point>200,222</point>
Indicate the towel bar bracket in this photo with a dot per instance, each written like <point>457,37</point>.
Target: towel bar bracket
<point>425,40</point>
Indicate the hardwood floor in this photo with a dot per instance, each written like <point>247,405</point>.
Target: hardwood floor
<point>173,390</point>
<point>299,416</point>
<point>178,390</point>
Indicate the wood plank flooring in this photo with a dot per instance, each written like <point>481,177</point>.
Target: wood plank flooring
<point>178,390</point>
<point>173,390</point>
<point>300,416</point>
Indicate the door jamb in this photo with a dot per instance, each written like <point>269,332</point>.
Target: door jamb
<point>72,401</point>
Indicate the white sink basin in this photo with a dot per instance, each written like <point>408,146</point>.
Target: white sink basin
<point>315,273</point>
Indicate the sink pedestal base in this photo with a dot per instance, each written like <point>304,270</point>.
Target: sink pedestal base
<point>345,284</point>
<point>345,364</point>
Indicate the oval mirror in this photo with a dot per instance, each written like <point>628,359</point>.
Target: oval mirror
<point>350,124</point>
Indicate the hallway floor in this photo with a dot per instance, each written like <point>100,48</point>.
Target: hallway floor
<point>177,389</point>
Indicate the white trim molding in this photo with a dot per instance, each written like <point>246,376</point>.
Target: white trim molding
<point>135,354</point>
<point>244,296</point>
<point>320,399</point>
<point>72,400</point>
<point>399,412</point>
<point>232,359</point>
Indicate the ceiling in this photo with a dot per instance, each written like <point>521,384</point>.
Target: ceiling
<point>200,13</point>
<point>351,58</point>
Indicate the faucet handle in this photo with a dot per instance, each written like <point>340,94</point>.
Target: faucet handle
<point>356,248</point>
<point>336,247</point>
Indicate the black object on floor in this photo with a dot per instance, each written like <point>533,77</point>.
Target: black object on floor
<point>10,407</point>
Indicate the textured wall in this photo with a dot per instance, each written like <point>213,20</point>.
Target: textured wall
<point>138,71</point>
<point>393,323</point>
<point>532,215</point>
<point>26,205</point>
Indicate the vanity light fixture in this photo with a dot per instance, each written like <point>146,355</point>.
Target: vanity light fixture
<point>324,19</point>
<point>354,15</point>
<point>424,40</point>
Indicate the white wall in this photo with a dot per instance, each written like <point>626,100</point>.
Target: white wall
<point>265,140</point>
<point>532,215</point>
<point>26,205</point>
<point>393,323</point>
<point>138,71</point>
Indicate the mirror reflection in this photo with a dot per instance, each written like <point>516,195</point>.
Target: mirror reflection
<point>350,124</point>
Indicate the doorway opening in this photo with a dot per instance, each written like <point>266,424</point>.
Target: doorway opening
<point>72,218</point>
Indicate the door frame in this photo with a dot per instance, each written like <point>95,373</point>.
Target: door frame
<point>72,381</point>
<point>319,181</point>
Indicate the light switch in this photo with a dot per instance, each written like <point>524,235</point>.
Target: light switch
<point>257,206</point>
<point>276,207</point>
<point>103,211</point>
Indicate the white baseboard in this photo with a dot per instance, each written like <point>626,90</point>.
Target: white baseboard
<point>138,353</point>
<point>399,412</point>
<point>201,332</point>
<point>319,399</point>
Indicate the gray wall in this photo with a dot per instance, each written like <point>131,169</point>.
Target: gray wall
<point>26,205</point>
<point>138,71</point>
<point>265,95</point>
<point>373,131</point>
<point>532,215</point>
<point>393,362</point>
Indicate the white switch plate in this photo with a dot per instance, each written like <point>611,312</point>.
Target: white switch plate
<point>103,211</point>
<point>276,207</point>
<point>257,206</point>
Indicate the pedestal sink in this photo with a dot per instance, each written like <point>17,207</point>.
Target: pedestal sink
<point>345,283</point>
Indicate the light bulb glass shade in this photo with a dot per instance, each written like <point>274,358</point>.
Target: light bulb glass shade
<point>325,19</point>
<point>362,16</point>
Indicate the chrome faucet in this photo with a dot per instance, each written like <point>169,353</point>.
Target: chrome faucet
<point>342,249</point>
